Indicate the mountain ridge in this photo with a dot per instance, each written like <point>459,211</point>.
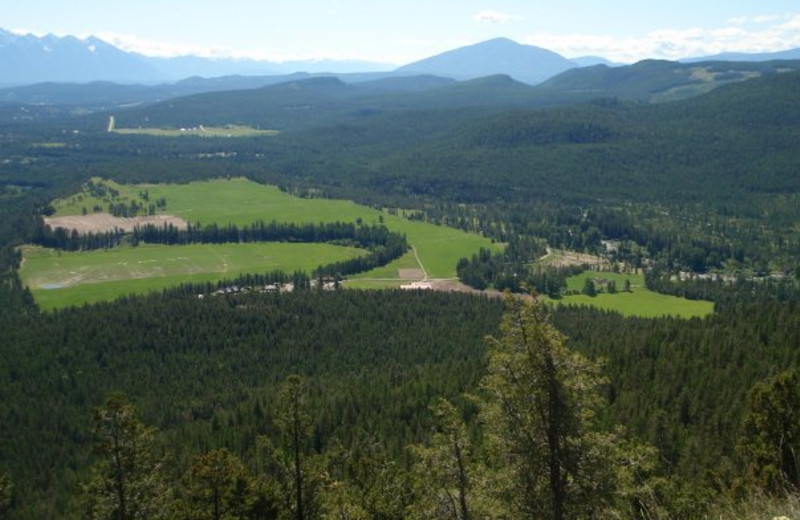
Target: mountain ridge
<point>525,63</point>
<point>28,59</point>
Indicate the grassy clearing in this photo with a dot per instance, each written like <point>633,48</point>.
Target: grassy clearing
<point>640,301</point>
<point>75,204</point>
<point>50,145</point>
<point>101,275</point>
<point>240,201</point>
<point>390,270</point>
<point>59,279</point>
<point>201,131</point>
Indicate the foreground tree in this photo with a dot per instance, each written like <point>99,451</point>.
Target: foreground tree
<point>366,482</point>
<point>218,486</point>
<point>443,469</point>
<point>127,480</point>
<point>552,459</point>
<point>6,495</point>
<point>300,475</point>
<point>770,438</point>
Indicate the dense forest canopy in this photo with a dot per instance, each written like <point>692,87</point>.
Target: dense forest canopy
<point>704,186</point>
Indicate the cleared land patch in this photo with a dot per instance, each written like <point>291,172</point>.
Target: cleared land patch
<point>564,258</point>
<point>237,201</point>
<point>59,278</point>
<point>201,131</point>
<point>102,222</point>
<point>242,202</point>
<point>640,301</point>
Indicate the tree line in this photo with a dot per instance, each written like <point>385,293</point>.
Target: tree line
<point>383,245</point>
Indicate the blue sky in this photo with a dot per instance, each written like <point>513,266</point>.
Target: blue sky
<point>398,32</point>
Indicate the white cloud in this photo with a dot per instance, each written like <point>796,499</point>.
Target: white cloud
<point>759,19</point>
<point>766,18</point>
<point>158,48</point>
<point>133,43</point>
<point>25,32</point>
<point>792,23</point>
<point>494,17</point>
<point>677,43</point>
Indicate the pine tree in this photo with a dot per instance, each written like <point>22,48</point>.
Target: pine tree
<point>299,475</point>
<point>127,480</point>
<point>6,495</point>
<point>217,486</point>
<point>443,470</point>
<point>770,439</point>
<point>552,459</point>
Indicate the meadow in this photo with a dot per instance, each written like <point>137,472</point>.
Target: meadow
<point>59,279</point>
<point>201,131</point>
<point>640,301</point>
<point>241,202</point>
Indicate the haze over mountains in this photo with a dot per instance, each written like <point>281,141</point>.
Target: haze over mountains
<point>28,59</point>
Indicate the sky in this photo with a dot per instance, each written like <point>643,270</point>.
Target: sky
<point>399,32</point>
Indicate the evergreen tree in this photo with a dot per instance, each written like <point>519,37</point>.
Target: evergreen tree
<point>552,460</point>
<point>369,483</point>
<point>770,439</point>
<point>444,470</point>
<point>127,480</point>
<point>6,496</point>
<point>300,475</point>
<point>218,486</point>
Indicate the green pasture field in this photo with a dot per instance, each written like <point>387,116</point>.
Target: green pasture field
<point>204,131</point>
<point>58,279</point>
<point>241,202</point>
<point>390,270</point>
<point>77,278</point>
<point>640,302</point>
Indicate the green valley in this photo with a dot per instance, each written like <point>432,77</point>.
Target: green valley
<point>76,278</point>
<point>654,207</point>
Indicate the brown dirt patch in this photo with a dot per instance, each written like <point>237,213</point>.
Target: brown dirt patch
<point>453,285</point>
<point>569,258</point>
<point>103,222</point>
<point>411,274</point>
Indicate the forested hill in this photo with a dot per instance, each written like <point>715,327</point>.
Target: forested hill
<point>731,144</point>
<point>718,171</point>
<point>480,142</point>
<point>706,184</point>
<point>660,80</point>
<point>323,100</point>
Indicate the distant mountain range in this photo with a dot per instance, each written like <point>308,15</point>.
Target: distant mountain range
<point>28,59</point>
